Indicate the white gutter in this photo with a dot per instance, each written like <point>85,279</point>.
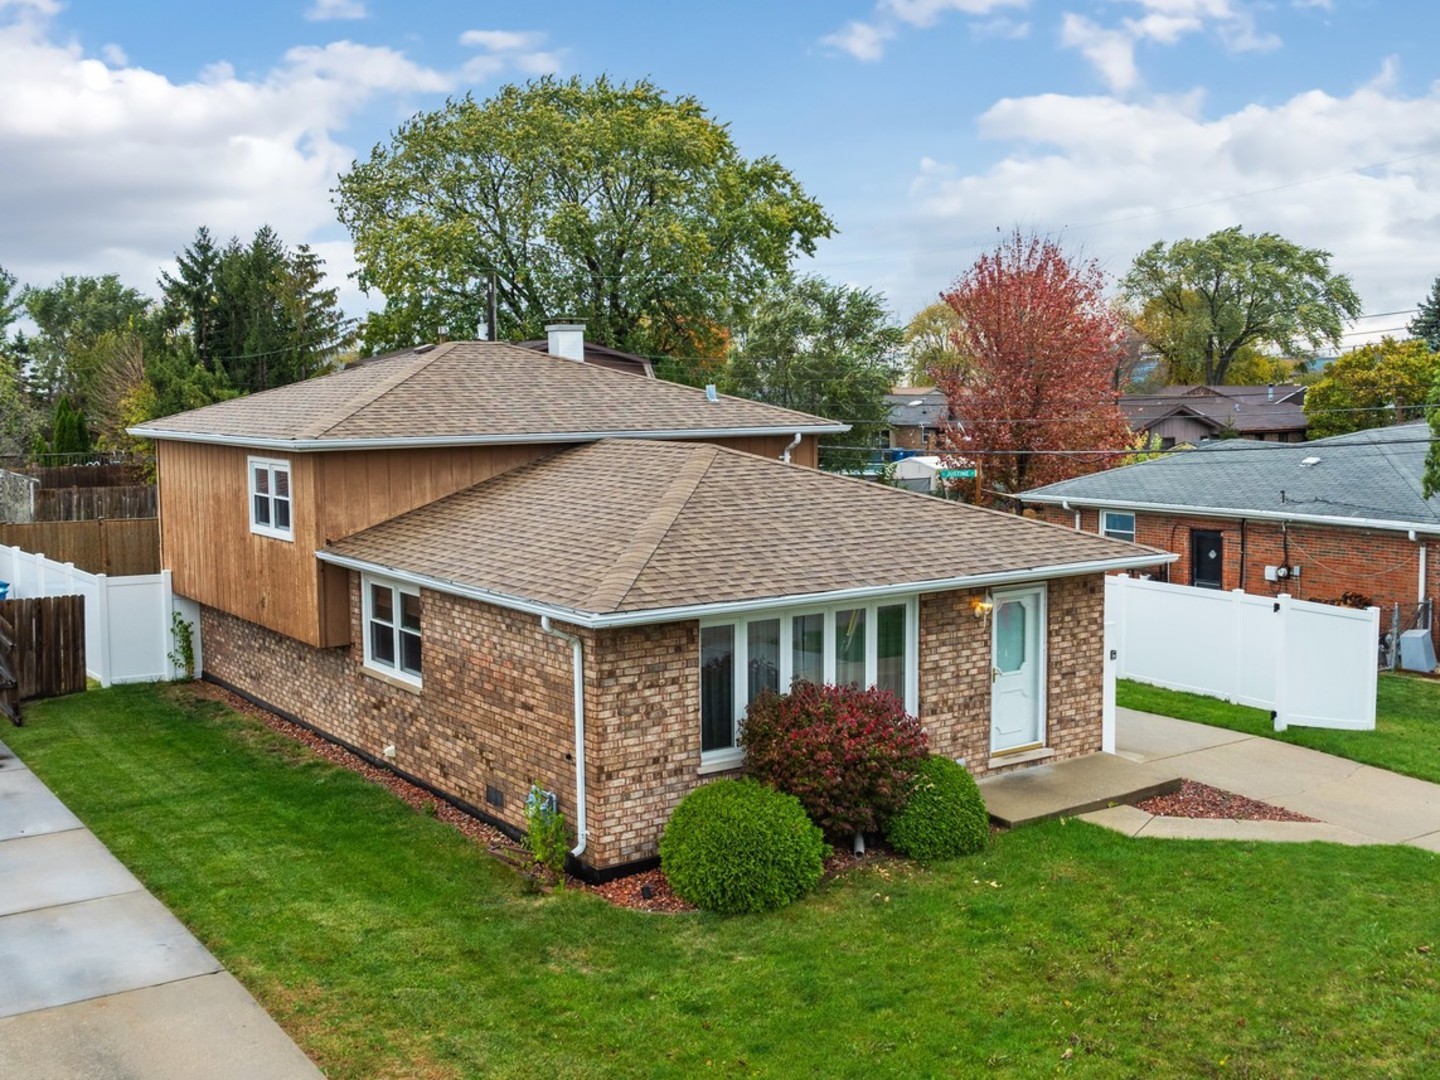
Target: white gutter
<point>598,621</point>
<point>305,446</point>
<point>785,457</point>
<point>577,662</point>
<point>1432,527</point>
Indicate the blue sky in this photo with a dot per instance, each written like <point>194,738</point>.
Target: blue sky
<point>922,126</point>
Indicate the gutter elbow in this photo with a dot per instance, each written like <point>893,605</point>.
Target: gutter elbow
<point>785,457</point>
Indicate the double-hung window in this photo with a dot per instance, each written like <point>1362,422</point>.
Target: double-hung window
<point>864,645</point>
<point>270,498</point>
<point>392,629</point>
<point>1118,525</point>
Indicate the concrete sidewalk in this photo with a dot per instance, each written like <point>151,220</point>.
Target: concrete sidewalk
<point>1352,803</point>
<point>97,979</point>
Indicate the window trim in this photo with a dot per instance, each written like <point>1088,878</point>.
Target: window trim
<point>272,466</point>
<point>1128,535</point>
<point>731,756</point>
<point>397,589</point>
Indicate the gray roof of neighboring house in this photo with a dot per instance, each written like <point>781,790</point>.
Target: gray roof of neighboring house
<point>471,392</point>
<point>920,406</point>
<point>632,530</point>
<point>1245,408</point>
<point>1370,478</point>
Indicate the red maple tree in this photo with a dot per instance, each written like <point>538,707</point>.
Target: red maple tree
<point>1042,345</point>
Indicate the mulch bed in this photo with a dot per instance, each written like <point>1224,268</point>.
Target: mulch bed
<point>1202,801</point>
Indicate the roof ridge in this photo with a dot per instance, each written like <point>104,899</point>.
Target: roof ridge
<point>610,593</point>
<point>375,392</point>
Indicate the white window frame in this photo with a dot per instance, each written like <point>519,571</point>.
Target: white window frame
<point>1118,534</point>
<point>398,590</point>
<point>272,466</point>
<point>731,756</point>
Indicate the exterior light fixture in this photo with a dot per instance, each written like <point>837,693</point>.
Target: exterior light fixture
<point>982,607</point>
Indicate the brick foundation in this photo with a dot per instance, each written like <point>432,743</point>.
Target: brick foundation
<point>496,712</point>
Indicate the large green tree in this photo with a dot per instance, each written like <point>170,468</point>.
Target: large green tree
<point>75,317</point>
<point>1212,299</point>
<point>610,201</point>
<point>1383,383</point>
<point>254,315</point>
<point>821,348</point>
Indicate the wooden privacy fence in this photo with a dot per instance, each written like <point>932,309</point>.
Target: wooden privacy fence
<point>45,656</point>
<point>118,547</point>
<point>89,503</point>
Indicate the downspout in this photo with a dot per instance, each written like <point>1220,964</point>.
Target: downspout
<point>1065,505</point>
<point>785,457</point>
<point>577,660</point>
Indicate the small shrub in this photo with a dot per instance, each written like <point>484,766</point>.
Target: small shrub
<point>734,846</point>
<point>847,754</point>
<point>182,631</point>
<point>944,817</point>
<point>545,832</point>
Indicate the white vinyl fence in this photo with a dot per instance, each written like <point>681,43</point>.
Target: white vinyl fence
<point>128,634</point>
<point>1313,665</point>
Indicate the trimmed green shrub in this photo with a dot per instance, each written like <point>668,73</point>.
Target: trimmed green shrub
<point>847,754</point>
<point>944,817</point>
<point>735,846</point>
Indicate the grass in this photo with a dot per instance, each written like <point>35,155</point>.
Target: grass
<point>1406,738</point>
<point>389,946</point>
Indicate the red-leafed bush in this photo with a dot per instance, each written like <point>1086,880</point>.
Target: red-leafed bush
<point>847,754</point>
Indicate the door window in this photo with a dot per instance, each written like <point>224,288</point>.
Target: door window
<point>1010,636</point>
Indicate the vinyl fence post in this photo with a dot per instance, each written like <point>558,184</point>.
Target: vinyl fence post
<point>1237,637</point>
<point>102,626</point>
<point>1282,662</point>
<point>167,607</point>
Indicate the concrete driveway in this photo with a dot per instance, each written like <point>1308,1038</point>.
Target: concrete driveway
<point>1357,804</point>
<point>97,979</point>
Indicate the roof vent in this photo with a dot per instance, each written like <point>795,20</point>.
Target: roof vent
<point>1309,461</point>
<point>711,394</point>
<point>422,348</point>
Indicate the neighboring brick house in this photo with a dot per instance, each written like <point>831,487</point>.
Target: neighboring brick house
<point>1189,415</point>
<point>917,416</point>
<point>482,566</point>
<point>1316,520</point>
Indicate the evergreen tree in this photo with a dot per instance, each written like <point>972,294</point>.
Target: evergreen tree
<point>1426,324</point>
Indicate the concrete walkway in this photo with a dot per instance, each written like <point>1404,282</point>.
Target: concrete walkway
<point>1352,803</point>
<point>97,979</point>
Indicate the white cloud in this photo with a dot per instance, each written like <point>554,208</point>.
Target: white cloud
<point>508,50</point>
<point>121,165</point>
<point>1111,177</point>
<point>326,10</point>
<point>1111,49</point>
<point>867,40</point>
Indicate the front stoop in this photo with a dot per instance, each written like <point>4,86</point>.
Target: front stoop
<point>1073,787</point>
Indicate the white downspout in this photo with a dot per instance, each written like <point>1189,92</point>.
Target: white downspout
<point>1065,505</point>
<point>577,660</point>
<point>1420,588</point>
<point>785,457</point>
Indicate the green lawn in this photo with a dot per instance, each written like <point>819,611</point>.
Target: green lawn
<point>1406,738</point>
<point>388,945</point>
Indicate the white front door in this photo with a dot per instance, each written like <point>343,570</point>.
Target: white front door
<point>1017,669</point>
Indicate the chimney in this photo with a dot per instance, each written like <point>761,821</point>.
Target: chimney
<point>1270,392</point>
<point>567,339</point>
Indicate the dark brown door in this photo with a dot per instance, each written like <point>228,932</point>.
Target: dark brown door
<point>1207,558</point>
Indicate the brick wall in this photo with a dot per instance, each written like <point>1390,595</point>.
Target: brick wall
<point>496,707</point>
<point>1333,560</point>
<point>955,672</point>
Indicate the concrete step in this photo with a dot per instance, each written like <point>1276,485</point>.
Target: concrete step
<point>1073,787</point>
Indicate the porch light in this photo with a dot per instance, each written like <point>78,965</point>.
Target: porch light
<point>982,607</point>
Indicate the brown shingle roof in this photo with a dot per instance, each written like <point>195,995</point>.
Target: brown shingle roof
<point>473,391</point>
<point>632,525</point>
